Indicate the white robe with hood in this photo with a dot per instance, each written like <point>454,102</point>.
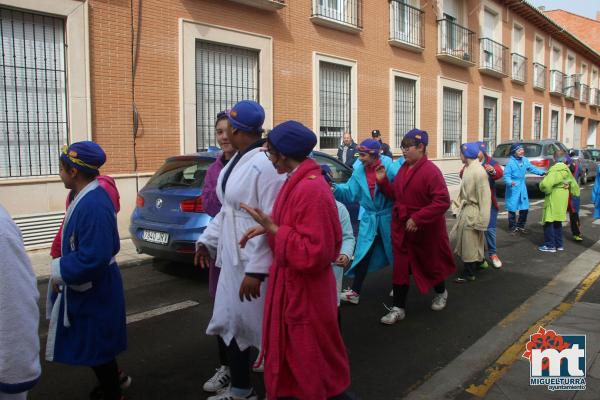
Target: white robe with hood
<point>255,182</point>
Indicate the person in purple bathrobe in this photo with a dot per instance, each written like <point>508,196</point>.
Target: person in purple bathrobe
<point>212,206</point>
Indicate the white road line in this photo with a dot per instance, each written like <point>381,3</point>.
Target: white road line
<point>160,311</point>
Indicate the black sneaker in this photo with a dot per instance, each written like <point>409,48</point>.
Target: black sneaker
<point>124,383</point>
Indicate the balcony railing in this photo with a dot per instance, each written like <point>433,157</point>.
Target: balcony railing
<point>519,68</point>
<point>539,76</point>
<point>341,14</point>
<point>263,4</point>
<point>594,97</point>
<point>492,59</point>
<point>406,25</point>
<point>455,43</point>
<point>556,82</point>
<point>584,93</point>
<point>571,86</point>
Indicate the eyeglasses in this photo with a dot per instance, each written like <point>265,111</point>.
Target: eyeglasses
<point>362,154</point>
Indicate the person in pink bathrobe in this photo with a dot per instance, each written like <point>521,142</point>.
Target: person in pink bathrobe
<point>305,356</point>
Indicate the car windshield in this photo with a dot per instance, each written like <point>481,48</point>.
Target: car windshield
<point>180,173</point>
<point>595,153</point>
<point>339,173</point>
<point>531,150</point>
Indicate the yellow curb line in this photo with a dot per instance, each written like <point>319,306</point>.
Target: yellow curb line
<point>514,351</point>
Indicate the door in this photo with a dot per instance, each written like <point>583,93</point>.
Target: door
<point>577,132</point>
<point>592,128</point>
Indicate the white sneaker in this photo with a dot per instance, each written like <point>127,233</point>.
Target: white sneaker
<point>439,301</point>
<point>496,261</point>
<point>394,315</point>
<point>219,381</point>
<point>226,395</point>
<point>349,296</point>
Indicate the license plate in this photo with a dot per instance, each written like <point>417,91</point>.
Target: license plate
<point>155,237</point>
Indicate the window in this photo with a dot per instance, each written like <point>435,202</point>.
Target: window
<point>335,103</point>
<point>33,116</point>
<point>490,105</point>
<point>516,120</point>
<point>404,108</point>
<point>537,123</point>
<point>452,121</point>
<point>224,76</point>
<point>540,57</point>
<point>518,39</point>
<point>344,11</point>
<point>554,117</point>
<point>406,22</point>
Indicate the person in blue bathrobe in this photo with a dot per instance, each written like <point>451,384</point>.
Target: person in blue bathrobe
<point>86,305</point>
<point>374,245</point>
<point>516,197</point>
<point>596,195</point>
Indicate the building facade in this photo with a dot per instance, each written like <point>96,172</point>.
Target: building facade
<point>146,81</point>
<point>585,28</point>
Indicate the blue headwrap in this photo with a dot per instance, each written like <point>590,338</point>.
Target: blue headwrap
<point>514,147</point>
<point>418,135</point>
<point>370,146</point>
<point>86,156</point>
<point>470,150</point>
<point>482,147</point>
<point>292,139</point>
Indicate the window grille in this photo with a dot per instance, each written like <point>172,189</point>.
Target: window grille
<point>490,111</point>
<point>516,120</point>
<point>224,76</point>
<point>406,23</point>
<point>537,123</point>
<point>452,121</point>
<point>335,103</point>
<point>554,125</point>
<point>404,108</point>
<point>33,104</point>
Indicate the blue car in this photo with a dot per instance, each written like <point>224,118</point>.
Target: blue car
<point>169,217</point>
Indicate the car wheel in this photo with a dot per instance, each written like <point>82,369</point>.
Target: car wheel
<point>584,177</point>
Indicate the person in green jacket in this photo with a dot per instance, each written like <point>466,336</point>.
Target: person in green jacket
<point>556,185</point>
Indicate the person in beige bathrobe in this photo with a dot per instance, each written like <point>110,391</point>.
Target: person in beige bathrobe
<point>472,210</point>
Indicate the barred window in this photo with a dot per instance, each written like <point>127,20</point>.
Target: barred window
<point>404,108</point>
<point>335,103</point>
<point>33,113</point>
<point>490,127</point>
<point>554,125</point>
<point>537,123</point>
<point>452,121</point>
<point>224,76</point>
<point>516,120</point>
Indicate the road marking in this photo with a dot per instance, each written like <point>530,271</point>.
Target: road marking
<point>160,311</point>
<point>514,351</point>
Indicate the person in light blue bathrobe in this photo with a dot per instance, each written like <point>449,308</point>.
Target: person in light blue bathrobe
<point>596,195</point>
<point>86,305</point>
<point>516,197</point>
<point>374,247</point>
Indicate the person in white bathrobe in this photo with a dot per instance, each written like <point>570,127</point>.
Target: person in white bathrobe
<point>19,342</point>
<point>248,178</point>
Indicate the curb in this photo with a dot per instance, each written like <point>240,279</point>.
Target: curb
<point>125,264</point>
<point>451,380</point>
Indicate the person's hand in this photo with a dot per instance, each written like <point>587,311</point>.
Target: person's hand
<point>259,216</point>
<point>252,232</point>
<point>202,256</point>
<point>566,185</point>
<point>411,226</point>
<point>250,288</point>
<point>513,184</point>
<point>490,169</point>
<point>56,288</point>
<point>380,173</point>
<point>342,260</point>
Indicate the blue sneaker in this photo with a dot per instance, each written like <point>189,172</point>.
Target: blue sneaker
<point>547,249</point>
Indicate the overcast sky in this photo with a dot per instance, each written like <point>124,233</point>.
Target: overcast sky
<point>586,8</point>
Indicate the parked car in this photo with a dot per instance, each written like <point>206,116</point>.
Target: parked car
<point>586,163</point>
<point>540,153</point>
<point>169,217</point>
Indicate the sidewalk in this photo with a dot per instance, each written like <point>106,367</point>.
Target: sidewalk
<point>40,259</point>
<point>582,318</point>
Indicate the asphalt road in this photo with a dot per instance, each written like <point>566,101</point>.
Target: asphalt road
<point>169,356</point>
